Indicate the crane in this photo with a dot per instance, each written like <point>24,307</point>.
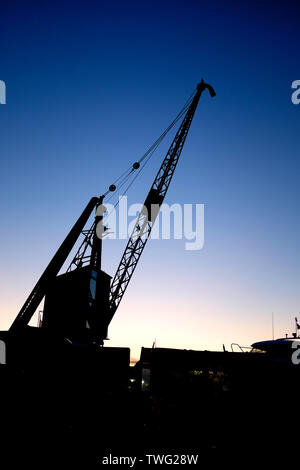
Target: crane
<point>82,302</point>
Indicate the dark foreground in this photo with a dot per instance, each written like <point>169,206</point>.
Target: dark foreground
<point>83,406</point>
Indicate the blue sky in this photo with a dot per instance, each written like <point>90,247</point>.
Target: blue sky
<point>90,85</point>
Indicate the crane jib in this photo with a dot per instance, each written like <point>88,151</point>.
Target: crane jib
<point>151,206</point>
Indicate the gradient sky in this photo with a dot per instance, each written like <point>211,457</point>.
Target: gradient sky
<point>90,86</point>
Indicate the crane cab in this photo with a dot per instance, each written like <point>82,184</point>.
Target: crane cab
<point>76,304</point>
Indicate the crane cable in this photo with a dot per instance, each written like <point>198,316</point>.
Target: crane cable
<point>125,176</point>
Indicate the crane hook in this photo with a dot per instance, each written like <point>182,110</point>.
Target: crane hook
<point>202,85</point>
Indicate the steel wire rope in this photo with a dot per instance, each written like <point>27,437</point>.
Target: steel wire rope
<point>149,153</point>
<point>152,148</point>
